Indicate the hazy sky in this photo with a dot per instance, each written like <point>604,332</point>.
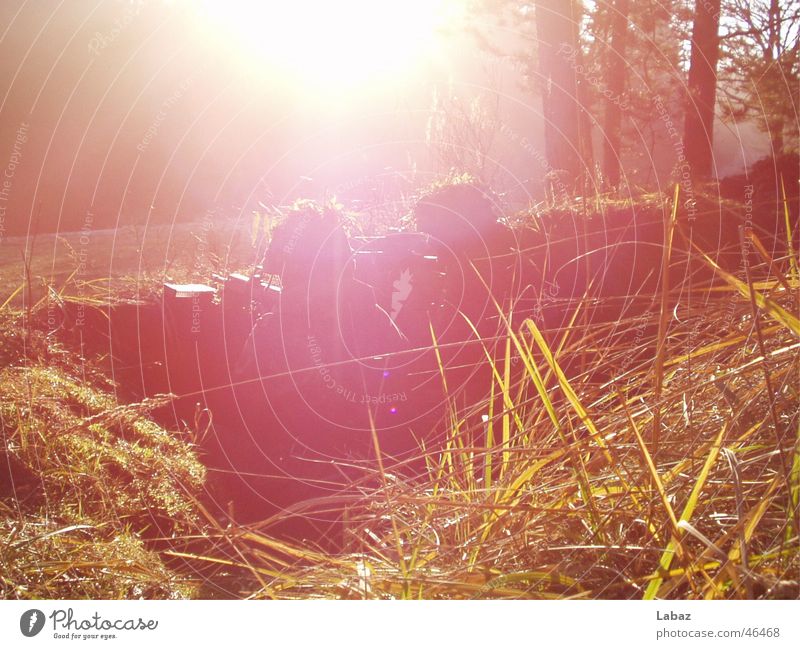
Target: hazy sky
<point>161,110</point>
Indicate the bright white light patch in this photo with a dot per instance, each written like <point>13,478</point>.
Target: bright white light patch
<point>341,43</point>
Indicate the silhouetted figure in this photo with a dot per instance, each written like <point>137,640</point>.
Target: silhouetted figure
<point>321,357</point>
<point>478,251</point>
<point>480,258</point>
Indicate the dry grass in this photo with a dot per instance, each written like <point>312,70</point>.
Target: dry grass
<point>88,485</point>
<point>674,478</point>
<point>667,467</point>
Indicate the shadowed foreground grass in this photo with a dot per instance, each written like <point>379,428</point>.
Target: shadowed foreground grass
<point>668,467</point>
<point>654,457</point>
<point>88,485</point>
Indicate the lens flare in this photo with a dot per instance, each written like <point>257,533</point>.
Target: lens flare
<point>341,44</point>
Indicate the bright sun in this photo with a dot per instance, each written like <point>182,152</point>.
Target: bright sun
<point>338,43</point>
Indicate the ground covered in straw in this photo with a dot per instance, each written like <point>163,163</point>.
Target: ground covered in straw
<point>655,456</point>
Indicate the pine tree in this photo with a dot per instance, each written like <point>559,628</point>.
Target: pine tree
<point>698,133</point>
<point>760,67</point>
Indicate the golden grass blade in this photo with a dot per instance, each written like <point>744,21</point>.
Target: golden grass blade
<point>508,403</point>
<point>524,354</point>
<point>224,562</point>
<point>580,469</point>
<point>716,346</point>
<point>63,530</point>
<point>776,311</point>
<point>527,474</point>
<point>395,531</point>
<point>666,558</point>
<point>662,494</point>
<point>536,576</point>
<point>506,387</point>
<point>793,261</point>
<point>536,377</point>
<point>11,297</point>
<point>66,282</point>
<point>794,487</point>
<point>684,465</point>
<point>289,550</point>
<point>487,461</point>
<point>773,268</point>
<point>754,516</point>
<point>567,389</point>
<point>663,321</point>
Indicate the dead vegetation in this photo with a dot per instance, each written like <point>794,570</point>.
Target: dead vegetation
<point>667,465</point>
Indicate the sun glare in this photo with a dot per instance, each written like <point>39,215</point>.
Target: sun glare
<point>337,44</point>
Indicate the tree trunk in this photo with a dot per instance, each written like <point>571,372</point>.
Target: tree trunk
<point>557,31</point>
<point>615,85</point>
<point>698,134</point>
<point>772,54</point>
<point>585,150</point>
<point>776,137</point>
